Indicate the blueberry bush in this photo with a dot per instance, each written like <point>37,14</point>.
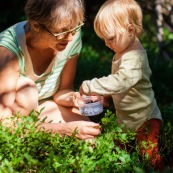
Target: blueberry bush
<point>23,149</point>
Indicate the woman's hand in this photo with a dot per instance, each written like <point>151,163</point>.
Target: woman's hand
<point>84,129</point>
<point>81,91</point>
<point>75,97</point>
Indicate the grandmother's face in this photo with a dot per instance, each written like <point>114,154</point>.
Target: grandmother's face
<point>61,34</point>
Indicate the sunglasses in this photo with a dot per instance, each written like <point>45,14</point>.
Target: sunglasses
<point>62,35</point>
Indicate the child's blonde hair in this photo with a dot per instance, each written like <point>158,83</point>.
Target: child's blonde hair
<point>115,16</point>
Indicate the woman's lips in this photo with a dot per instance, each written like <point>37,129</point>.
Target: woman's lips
<point>63,44</point>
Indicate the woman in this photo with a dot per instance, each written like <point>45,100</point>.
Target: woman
<point>38,60</point>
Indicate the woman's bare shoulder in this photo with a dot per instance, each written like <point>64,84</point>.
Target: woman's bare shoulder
<point>7,58</point>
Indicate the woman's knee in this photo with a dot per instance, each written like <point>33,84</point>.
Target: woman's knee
<point>26,95</point>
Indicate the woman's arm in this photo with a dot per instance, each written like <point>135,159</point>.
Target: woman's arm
<point>65,95</point>
<point>85,129</point>
<point>17,93</point>
<point>70,118</point>
<point>9,72</point>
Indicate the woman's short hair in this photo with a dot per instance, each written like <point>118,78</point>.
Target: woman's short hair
<point>50,13</point>
<point>114,17</point>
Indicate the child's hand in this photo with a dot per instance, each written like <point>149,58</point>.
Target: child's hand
<point>106,101</point>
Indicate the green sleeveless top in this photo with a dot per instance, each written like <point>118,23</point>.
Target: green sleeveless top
<point>47,84</point>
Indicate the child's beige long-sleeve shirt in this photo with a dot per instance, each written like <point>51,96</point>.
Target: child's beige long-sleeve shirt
<point>131,89</point>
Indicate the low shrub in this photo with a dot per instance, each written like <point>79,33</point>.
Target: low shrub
<point>24,149</point>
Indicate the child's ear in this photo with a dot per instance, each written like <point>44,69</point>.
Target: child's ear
<point>130,29</point>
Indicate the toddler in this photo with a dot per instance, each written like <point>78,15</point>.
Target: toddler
<point>119,24</point>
